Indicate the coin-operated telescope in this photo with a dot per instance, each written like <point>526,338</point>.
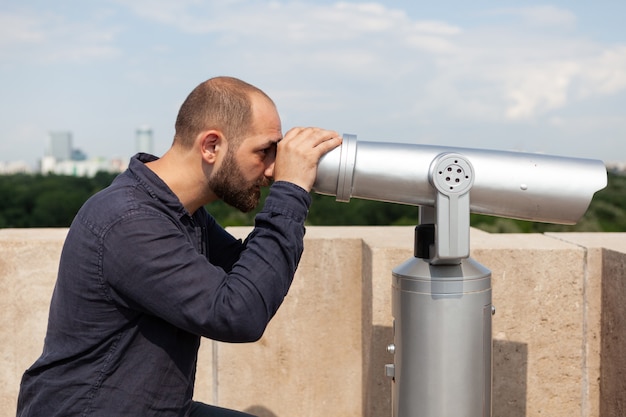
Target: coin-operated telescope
<point>441,298</point>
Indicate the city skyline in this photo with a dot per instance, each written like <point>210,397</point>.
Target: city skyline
<point>545,77</point>
<point>60,156</point>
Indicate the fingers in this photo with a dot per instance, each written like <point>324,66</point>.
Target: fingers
<point>299,152</point>
<point>312,136</point>
<point>311,140</point>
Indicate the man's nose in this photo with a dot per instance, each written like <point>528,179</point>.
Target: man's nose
<point>269,169</point>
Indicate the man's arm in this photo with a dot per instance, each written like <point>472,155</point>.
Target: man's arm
<point>165,276</point>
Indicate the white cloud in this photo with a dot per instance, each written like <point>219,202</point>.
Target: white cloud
<point>45,37</point>
<point>294,23</point>
<point>366,66</point>
<point>548,16</point>
<point>543,15</point>
<point>605,73</point>
<point>539,87</point>
<point>508,71</point>
<point>19,29</point>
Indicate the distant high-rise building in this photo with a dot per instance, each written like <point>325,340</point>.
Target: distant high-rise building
<point>78,155</point>
<point>60,145</point>
<point>143,140</point>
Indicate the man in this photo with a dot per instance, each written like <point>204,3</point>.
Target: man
<point>145,271</point>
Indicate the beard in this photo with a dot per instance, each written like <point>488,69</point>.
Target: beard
<point>230,185</point>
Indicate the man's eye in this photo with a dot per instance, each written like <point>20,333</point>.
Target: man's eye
<point>270,150</point>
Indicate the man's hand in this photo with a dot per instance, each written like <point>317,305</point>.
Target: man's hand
<point>298,153</point>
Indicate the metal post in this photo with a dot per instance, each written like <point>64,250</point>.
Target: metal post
<point>441,303</point>
<point>442,340</point>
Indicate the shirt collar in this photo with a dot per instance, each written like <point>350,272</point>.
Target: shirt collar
<point>154,185</point>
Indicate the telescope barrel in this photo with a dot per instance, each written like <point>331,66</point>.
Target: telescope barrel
<point>526,186</point>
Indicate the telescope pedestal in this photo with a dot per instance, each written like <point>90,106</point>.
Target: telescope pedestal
<point>442,340</point>
<point>441,303</point>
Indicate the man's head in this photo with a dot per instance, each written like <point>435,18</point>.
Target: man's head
<point>236,128</point>
<point>220,103</point>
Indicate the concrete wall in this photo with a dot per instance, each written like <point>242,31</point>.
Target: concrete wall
<point>559,331</point>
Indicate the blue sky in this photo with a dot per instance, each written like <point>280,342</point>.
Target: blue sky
<point>530,76</point>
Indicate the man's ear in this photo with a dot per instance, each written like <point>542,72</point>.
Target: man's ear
<point>211,143</point>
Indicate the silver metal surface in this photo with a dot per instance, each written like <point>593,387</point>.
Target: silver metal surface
<point>452,176</point>
<point>525,186</point>
<point>442,338</point>
<point>441,298</point>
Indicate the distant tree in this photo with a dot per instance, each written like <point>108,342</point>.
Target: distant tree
<point>57,208</point>
<point>45,200</point>
<point>53,200</point>
<point>326,211</point>
<point>101,180</point>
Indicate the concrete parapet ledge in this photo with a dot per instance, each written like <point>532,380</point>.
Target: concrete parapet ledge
<point>559,331</point>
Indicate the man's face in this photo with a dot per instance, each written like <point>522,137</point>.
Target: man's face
<point>250,166</point>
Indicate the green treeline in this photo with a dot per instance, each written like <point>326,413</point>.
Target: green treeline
<point>45,201</point>
<point>53,200</point>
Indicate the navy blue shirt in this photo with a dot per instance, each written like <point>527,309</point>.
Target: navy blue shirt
<point>140,281</point>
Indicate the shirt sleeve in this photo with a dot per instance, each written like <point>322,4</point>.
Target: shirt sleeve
<point>162,273</point>
<point>222,248</point>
